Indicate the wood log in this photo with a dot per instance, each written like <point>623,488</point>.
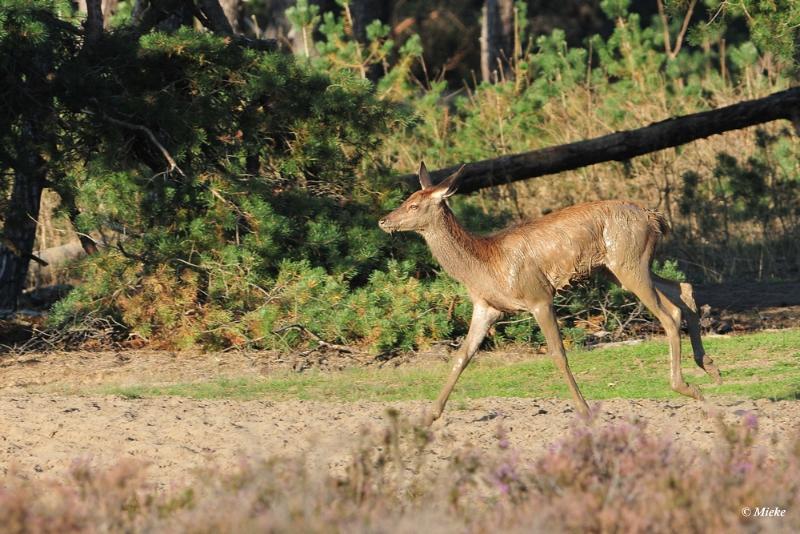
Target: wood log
<point>621,146</point>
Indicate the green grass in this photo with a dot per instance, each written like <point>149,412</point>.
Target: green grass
<point>762,365</point>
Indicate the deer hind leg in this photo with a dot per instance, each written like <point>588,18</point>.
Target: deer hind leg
<point>639,282</point>
<point>546,317</point>
<point>483,317</point>
<point>681,295</point>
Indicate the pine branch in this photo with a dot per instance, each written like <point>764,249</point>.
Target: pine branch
<point>321,342</point>
<point>164,152</point>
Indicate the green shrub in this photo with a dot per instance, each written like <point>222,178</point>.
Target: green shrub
<point>264,232</point>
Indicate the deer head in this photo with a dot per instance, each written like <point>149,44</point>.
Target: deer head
<point>424,207</point>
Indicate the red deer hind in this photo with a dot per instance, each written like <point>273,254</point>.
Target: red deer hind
<point>521,267</point>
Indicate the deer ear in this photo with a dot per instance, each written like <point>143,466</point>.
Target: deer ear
<point>424,178</point>
<point>450,185</point>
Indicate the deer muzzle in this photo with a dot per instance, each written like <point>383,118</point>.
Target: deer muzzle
<point>386,226</point>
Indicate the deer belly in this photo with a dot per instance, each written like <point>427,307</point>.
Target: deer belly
<point>505,303</point>
<point>518,292</point>
<point>572,268</point>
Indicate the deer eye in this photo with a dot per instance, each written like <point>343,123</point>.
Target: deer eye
<point>413,206</point>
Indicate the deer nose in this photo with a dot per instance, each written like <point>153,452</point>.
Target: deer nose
<point>383,224</point>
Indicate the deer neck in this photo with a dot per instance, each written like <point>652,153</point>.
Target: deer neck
<point>461,254</point>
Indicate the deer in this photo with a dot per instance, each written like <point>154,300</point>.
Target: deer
<point>520,269</point>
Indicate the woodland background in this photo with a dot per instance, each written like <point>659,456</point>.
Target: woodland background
<point>223,163</point>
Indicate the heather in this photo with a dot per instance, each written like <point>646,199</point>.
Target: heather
<point>597,478</point>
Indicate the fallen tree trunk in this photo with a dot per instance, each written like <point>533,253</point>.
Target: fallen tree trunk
<point>621,146</point>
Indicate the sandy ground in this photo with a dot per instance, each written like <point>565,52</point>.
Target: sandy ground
<point>42,434</point>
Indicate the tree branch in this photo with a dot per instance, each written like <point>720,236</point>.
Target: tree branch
<point>321,342</point>
<point>621,146</point>
<point>684,27</point>
<point>6,242</point>
<point>131,255</point>
<point>664,27</point>
<point>170,161</point>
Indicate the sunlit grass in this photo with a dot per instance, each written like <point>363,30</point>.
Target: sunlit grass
<point>762,365</point>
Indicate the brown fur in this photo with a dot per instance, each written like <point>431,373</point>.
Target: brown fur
<point>521,268</point>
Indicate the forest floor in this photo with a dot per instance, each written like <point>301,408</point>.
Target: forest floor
<point>182,412</point>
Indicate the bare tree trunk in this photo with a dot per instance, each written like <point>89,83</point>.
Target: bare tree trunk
<point>622,146</point>
<point>214,17</point>
<point>94,21</point>
<point>19,229</point>
<point>233,10</point>
<point>497,37</point>
<point>271,22</point>
<point>109,7</point>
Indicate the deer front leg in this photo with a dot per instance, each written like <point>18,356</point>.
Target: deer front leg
<point>546,317</point>
<point>483,317</point>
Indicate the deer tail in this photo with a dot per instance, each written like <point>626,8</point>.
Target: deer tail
<point>658,222</point>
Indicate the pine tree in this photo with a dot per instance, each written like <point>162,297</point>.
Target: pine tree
<point>185,142</point>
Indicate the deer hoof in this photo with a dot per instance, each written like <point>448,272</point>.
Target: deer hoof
<point>429,416</point>
<point>689,390</point>
<point>712,371</point>
<point>584,411</point>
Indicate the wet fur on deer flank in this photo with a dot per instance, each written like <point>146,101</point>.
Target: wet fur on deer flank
<point>556,249</point>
